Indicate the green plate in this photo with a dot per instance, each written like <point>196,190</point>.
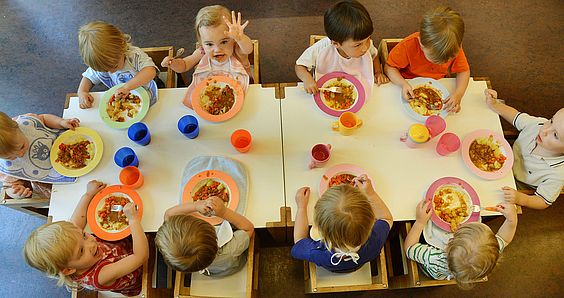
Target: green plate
<point>145,101</point>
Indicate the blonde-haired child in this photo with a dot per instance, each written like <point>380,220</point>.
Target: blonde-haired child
<point>347,48</point>
<point>189,244</point>
<point>353,224</point>
<point>539,154</point>
<point>25,143</point>
<point>113,60</point>
<point>434,52</point>
<point>222,49</point>
<point>471,253</point>
<point>64,251</point>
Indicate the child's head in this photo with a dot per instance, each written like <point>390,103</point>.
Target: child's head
<point>13,143</point>
<point>210,28</point>
<point>60,249</point>
<point>551,134</point>
<point>472,253</point>
<point>188,244</point>
<point>349,27</point>
<point>103,46</point>
<point>441,32</point>
<point>344,217</point>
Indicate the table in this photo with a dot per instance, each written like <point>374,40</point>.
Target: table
<point>163,160</point>
<point>401,175</point>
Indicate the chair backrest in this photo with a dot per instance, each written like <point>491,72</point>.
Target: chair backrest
<point>315,38</point>
<point>254,59</point>
<point>158,54</point>
<point>384,48</point>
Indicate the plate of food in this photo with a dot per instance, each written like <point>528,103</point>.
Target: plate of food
<point>340,174</point>
<point>76,152</point>
<point>429,99</point>
<point>122,113</point>
<point>487,154</point>
<point>350,99</point>
<point>452,200</point>
<point>211,183</point>
<point>112,225</point>
<point>218,98</point>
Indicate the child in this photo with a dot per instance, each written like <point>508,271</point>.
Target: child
<point>222,49</point>
<point>471,253</point>
<point>64,251</point>
<point>353,224</point>
<point>112,60</point>
<point>347,48</point>
<point>539,154</point>
<point>434,52</point>
<point>189,244</point>
<point>25,143</point>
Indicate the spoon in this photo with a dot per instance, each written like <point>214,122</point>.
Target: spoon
<point>179,53</point>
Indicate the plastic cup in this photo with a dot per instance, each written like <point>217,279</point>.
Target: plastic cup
<point>241,140</point>
<point>139,133</point>
<point>436,125</point>
<point>448,143</point>
<point>348,122</point>
<point>416,135</point>
<point>188,126</point>
<point>131,177</point>
<point>319,155</point>
<point>125,156</point>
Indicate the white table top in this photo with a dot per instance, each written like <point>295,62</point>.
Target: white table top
<point>401,175</point>
<point>163,160</point>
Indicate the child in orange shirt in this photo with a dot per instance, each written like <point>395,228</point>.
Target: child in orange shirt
<point>434,52</point>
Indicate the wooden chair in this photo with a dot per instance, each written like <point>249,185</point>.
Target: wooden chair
<point>241,284</point>
<point>315,38</point>
<point>167,75</point>
<point>36,205</point>
<point>319,280</point>
<point>384,48</point>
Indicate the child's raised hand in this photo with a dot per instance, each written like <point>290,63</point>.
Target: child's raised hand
<point>20,191</point>
<point>452,103</point>
<point>302,197</point>
<point>85,100</point>
<point>94,186</point>
<point>175,64</point>
<point>407,91</point>
<point>70,123</point>
<point>236,30</point>
<point>491,97</point>
<point>131,211</point>
<point>423,211</point>
<point>217,205</point>
<point>508,210</point>
<point>364,184</point>
<point>510,195</point>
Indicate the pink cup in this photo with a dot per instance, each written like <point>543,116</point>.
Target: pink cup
<point>436,125</point>
<point>319,155</point>
<point>448,143</point>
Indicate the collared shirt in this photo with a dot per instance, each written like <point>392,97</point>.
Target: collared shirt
<point>544,173</point>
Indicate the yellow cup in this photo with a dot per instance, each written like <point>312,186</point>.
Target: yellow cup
<point>348,122</point>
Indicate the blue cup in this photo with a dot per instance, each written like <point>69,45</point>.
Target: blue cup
<point>125,156</point>
<point>188,126</point>
<point>139,133</point>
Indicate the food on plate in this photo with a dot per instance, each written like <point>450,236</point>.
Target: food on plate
<point>339,101</point>
<point>116,220</point>
<point>212,188</point>
<point>122,109</point>
<point>450,205</point>
<point>75,155</point>
<point>427,101</point>
<point>217,100</point>
<point>485,153</point>
<point>342,179</point>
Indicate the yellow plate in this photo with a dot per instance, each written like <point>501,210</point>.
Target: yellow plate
<point>71,137</point>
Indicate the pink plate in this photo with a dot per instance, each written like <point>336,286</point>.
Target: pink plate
<point>505,149</point>
<point>328,78</point>
<point>462,186</point>
<point>221,81</point>
<point>340,169</point>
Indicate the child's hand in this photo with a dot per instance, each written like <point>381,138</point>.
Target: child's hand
<point>121,92</point>
<point>217,205</point>
<point>93,187</point>
<point>364,184</point>
<point>381,78</point>
<point>491,98</point>
<point>407,91</point>
<point>236,30</point>
<point>19,191</point>
<point>423,211</point>
<point>302,197</point>
<point>310,86</point>
<point>70,123</point>
<point>510,195</point>
<point>175,64</point>
<point>203,207</point>
<point>131,212</point>
<point>452,103</point>
<point>85,100</point>
<point>508,210</point>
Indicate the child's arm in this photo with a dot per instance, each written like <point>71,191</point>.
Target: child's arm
<point>509,226</point>
<point>512,196</point>
<point>310,85</point>
<point>109,273</point>
<point>422,215</point>
<point>506,112</point>
<point>236,32</point>
<point>397,79</point>
<point>379,75</point>
<point>186,63</point>
<point>53,121</point>
<point>142,78</point>
<point>238,220</point>
<point>301,225</point>
<point>380,209</point>
<point>187,208</point>
<point>84,97</point>
<point>453,101</point>
<point>78,217</point>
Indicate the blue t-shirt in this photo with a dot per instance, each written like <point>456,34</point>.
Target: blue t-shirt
<point>315,251</point>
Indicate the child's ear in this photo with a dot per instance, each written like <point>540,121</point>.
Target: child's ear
<point>68,271</point>
<point>335,43</point>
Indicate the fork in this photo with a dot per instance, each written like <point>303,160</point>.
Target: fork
<point>116,208</point>
<point>478,208</point>
<point>332,89</point>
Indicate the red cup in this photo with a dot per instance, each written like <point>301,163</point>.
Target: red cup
<point>131,177</point>
<point>448,143</point>
<point>241,140</point>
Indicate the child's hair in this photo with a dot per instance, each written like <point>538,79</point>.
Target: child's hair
<point>50,247</point>
<point>347,20</point>
<point>210,16</point>
<point>102,44</point>
<point>441,32</point>
<point>8,129</point>
<point>472,253</point>
<point>344,217</point>
<point>188,244</point>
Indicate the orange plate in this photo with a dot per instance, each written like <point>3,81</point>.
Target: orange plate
<point>93,210</point>
<point>222,80</point>
<point>217,175</point>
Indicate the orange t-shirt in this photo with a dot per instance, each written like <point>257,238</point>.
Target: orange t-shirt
<point>408,57</point>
